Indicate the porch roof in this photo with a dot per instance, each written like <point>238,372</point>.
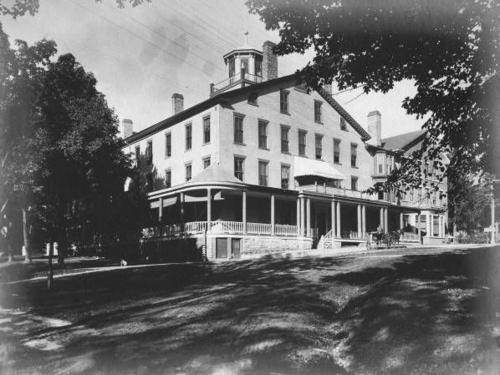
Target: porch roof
<point>214,173</point>
<point>309,167</point>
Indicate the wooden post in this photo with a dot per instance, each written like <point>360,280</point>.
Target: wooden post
<point>339,234</point>
<point>308,218</point>
<point>244,209</point>
<point>333,213</point>
<point>298,217</point>
<point>363,219</point>
<point>302,217</point>
<point>272,214</point>
<point>209,209</point>
<point>358,214</point>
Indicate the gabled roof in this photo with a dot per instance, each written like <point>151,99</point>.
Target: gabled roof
<point>225,96</point>
<point>402,141</point>
<point>215,173</point>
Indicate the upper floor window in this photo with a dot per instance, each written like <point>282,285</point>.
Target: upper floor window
<point>252,98</point>
<point>317,111</point>
<point>302,142</point>
<point>354,155</point>
<point>284,101</point>
<point>263,172</point>
<point>238,129</point>
<point>149,153</point>
<point>319,146</point>
<point>380,163</point>
<point>285,176</point>
<point>262,129</point>
<point>189,136</point>
<point>284,139</point>
<point>206,129</point>
<point>188,172</point>
<point>206,162</point>
<point>354,183</point>
<point>168,145</point>
<point>336,151</point>
<point>238,167</point>
<point>168,178</point>
<point>343,124</point>
<point>137,155</point>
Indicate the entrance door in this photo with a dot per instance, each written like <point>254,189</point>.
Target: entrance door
<point>221,248</point>
<point>235,247</point>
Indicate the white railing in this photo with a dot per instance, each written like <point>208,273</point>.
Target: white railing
<point>351,235</point>
<point>221,226</point>
<point>195,227</point>
<point>285,230</point>
<point>259,228</point>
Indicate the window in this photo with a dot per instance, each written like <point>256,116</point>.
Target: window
<point>354,183</point>
<point>168,145</point>
<point>168,178</point>
<point>188,172</point>
<point>206,162</point>
<point>258,66</point>
<point>284,101</point>
<point>149,153</point>
<point>354,154</point>
<point>137,155</point>
<point>189,136</point>
<point>206,129</point>
<point>343,125</point>
<point>238,167</point>
<point>252,98</point>
<point>302,142</point>
<point>336,151</point>
<point>380,163</point>
<point>284,139</point>
<point>318,141</point>
<point>285,176</point>
<point>238,129</point>
<point>263,172</point>
<point>262,134</point>
<point>317,111</point>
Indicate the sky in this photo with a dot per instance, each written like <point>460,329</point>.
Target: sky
<point>141,55</point>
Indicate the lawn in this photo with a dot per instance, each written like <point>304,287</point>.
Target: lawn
<point>407,312</point>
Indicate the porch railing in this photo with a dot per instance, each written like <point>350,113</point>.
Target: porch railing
<point>220,226</point>
<point>409,237</point>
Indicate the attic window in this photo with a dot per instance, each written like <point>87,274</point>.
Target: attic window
<point>343,124</point>
<point>252,98</point>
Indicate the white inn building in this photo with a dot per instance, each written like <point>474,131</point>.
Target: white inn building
<point>264,166</point>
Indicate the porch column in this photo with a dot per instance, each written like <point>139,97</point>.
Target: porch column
<point>302,217</point>
<point>428,226</point>
<point>417,223</point>
<point>339,234</point>
<point>333,212</point>
<point>386,223</point>
<point>209,209</point>
<point>363,220</point>
<point>401,221</point>
<point>308,213</point>
<point>381,218</point>
<point>160,210</point>
<point>298,216</point>
<point>244,210</point>
<point>272,214</point>
<point>181,199</point>
<point>359,220</point>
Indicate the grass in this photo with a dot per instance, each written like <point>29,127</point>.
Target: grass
<point>432,312</point>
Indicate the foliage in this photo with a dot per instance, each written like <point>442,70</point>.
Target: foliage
<point>22,7</point>
<point>468,202</point>
<point>448,48</point>
<point>60,147</point>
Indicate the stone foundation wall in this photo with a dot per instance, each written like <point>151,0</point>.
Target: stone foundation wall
<point>263,245</point>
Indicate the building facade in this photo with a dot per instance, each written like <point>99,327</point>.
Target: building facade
<point>264,165</point>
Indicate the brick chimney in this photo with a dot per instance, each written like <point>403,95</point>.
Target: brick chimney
<point>127,128</point>
<point>375,127</point>
<point>177,103</point>
<point>269,61</point>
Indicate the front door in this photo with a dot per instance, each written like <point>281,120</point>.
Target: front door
<point>235,247</point>
<point>221,248</point>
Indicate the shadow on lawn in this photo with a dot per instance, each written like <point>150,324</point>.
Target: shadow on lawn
<point>425,313</point>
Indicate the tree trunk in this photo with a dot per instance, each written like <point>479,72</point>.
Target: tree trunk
<point>50,274</point>
<point>27,248</point>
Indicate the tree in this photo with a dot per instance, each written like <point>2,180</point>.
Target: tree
<point>448,48</point>
<point>59,144</point>
<point>469,202</point>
